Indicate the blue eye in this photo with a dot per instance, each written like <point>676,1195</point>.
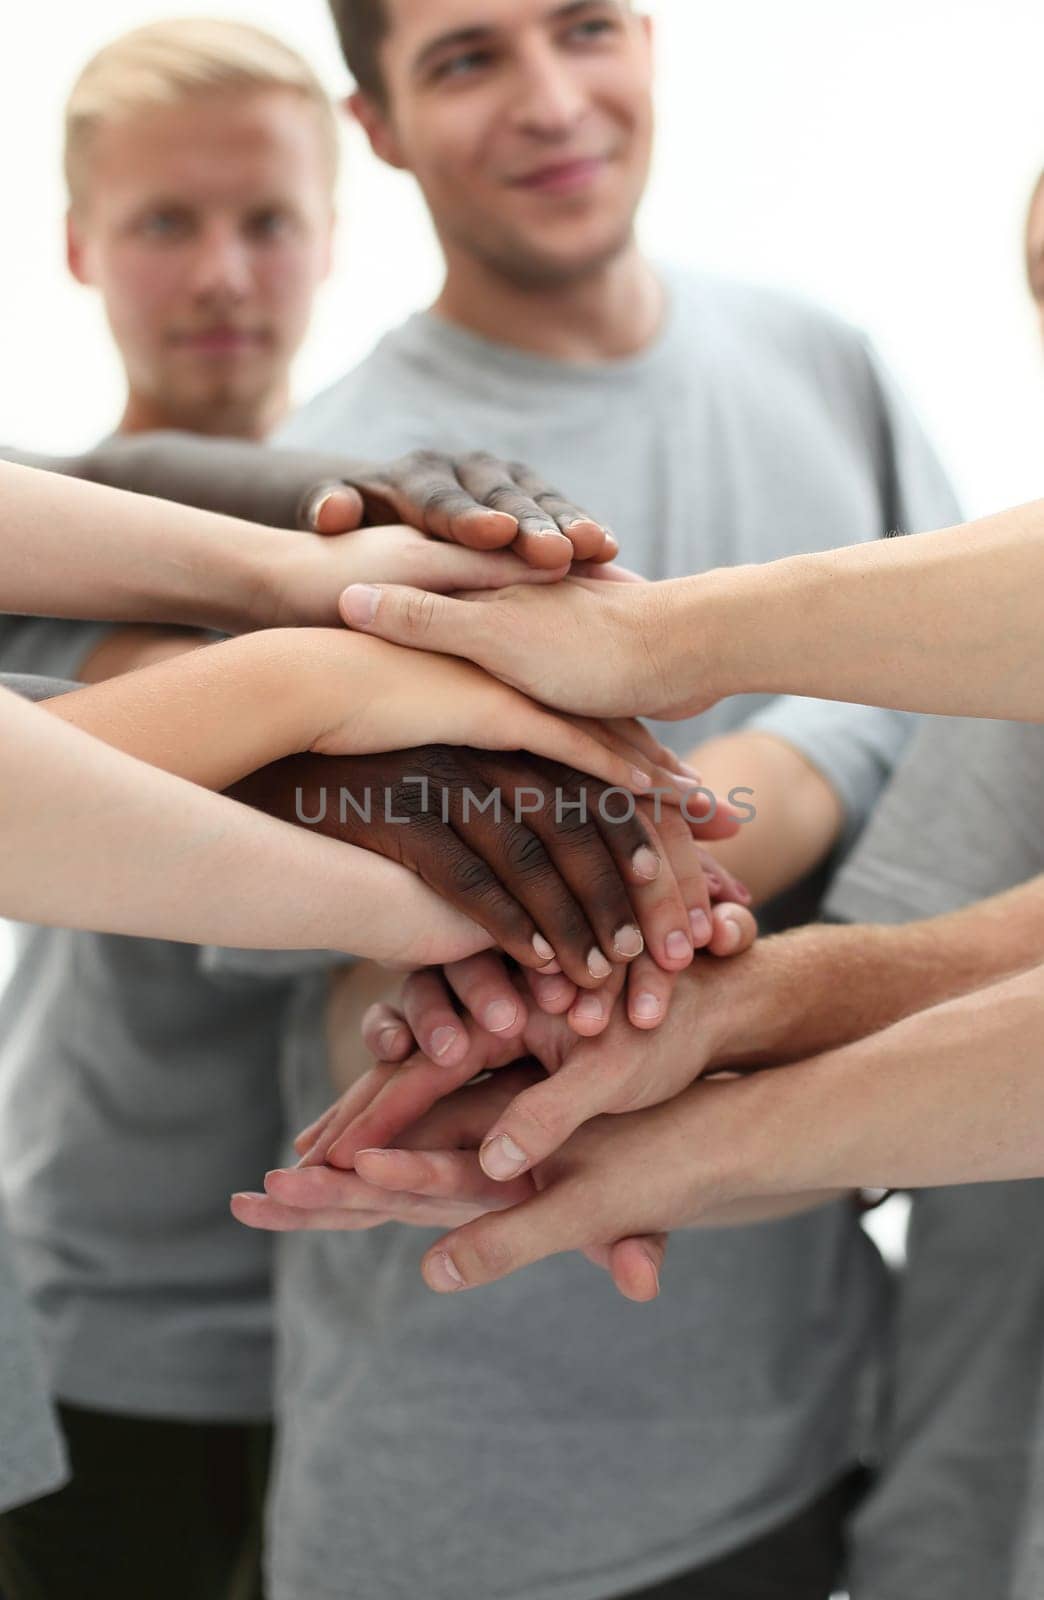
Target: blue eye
<point>268,225</point>
<point>462,66</point>
<point>164,225</point>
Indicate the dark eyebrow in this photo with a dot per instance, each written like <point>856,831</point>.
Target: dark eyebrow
<point>480,32</point>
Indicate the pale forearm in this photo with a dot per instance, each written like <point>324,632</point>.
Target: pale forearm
<point>946,622</point>
<point>221,712</point>
<point>132,559</point>
<point>93,839</point>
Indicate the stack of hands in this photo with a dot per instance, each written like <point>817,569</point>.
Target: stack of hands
<point>608,909</point>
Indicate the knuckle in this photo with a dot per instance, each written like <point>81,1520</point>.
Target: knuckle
<point>421,460</point>
<point>443,497</point>
<point>490,1253</point>
<point>470,877</point>
<point>523,852</point>
<point>420,612</point>
<point>537,1111</point>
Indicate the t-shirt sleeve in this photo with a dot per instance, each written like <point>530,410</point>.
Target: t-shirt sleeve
<point>31,686</point>
<point>856,748</point>
<point>962,820</point>
<point>47,646</point>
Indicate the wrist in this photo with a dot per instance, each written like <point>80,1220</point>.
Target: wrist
<point>715,633</point>
<point>754,1000</point>
<point>267,579</point>
<point>291,681</point>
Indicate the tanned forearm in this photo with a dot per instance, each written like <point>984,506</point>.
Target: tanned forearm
<point>130,648</point>
<point>230,476</point>
<point>799,815</point>
<point>952,1095</point>
<point>820,987</point>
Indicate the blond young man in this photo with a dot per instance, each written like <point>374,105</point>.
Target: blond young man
<point>201,158</point>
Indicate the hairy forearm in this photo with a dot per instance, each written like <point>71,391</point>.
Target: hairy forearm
<point>820,987</point>
<point>799,816</point>
<point>945,622</point>
<point>952,1095</point>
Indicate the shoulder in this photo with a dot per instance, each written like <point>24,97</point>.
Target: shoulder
<point>762,317</point>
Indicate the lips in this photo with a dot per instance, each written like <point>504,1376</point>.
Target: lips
<point>220,340</point>
<point>563,177</point>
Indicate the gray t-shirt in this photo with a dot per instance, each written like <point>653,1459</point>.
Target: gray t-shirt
<point>31,1457</point>
<point>134,1089</point>
<point>544,1438</point>
<point>962,820</point>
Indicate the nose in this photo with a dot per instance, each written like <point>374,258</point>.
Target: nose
<point>551,98</point>
<point>221,269</point>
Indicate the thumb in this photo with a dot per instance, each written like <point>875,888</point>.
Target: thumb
<point>411,617</point>
<point>332,508</point>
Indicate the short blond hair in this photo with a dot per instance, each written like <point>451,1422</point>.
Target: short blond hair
<point>167,63</point>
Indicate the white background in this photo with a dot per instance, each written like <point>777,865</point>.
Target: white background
<point>876,154</point>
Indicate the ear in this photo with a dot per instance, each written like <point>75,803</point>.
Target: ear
<point>75,249</point>
<point>377,126</point>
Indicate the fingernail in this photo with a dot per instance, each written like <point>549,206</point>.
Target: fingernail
<point>249,1194</point>
<point>713,882</point>
<point>646,862</point>
<point>628,941</point>
<point>444,1274</point>
<point>597,965</point>
<point>648,1008</point>
<point>640,779</point>
<point>500,1015</point>
<point>691,771</point>
<point>542,948</point>
<point>742,892</point>
<point>589,1007</point>
<point>700,924</point>
<point>678,946</point>
<point>375,1150</point>
<point>733,934</point>
<point>652,1263</point>
<point>442,1040</point>
<point>487,511</point>
<point>502,1159</point>
<point>359,604</point>
<point>552,990</point>
<point>388,1041</point>
<point>317,507</point>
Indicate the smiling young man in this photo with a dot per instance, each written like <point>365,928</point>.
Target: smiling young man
<point>551,1442</point>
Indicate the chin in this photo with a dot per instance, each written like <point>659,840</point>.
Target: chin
<point>560,263</point>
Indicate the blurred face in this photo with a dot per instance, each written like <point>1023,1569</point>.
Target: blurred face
<point>206,226</point>
<point>528,124</point>
<point>1035,251</point>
